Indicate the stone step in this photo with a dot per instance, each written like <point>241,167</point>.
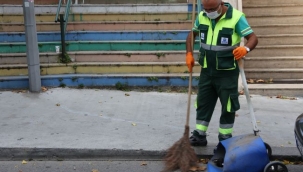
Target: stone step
<point>288,90</point>
<point>101,26</point>
<point>133,1</point>
<point>271,2</point>
<point>39,2</point>
<point>281,39</point>
<point>100,68</point>
<point>100,46</point>
<point>274,9</point>
<point>277,50</point>
<point>278,29</point>
<point>101,56</point>
<point>143,80</point>
<point>99,36</point>
<point>274,19</point>
<point>51,2</point>
<point>103,17</point>
<point>143,25</point>
<point>101,9</point>
<point>142,68</point>
<point>274,62</point>
<point>274,73</point>
<point>126,80</point>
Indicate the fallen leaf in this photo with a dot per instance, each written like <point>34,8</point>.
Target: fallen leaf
<point>143,164</point>
<point>241,92</point>
<point>199,168</point>
<point>258,121</point>
<point>57,104</point>
<point>94,170</point>
<point>134,124</point>
<point>24,162</point>
<point>44,89</point>
<point>285,162</point>
<point>127,94</point>
<point>19,91</point>
<point>285,97</point>
<point>204,161</point>
<point>202,168</point>
<point>193,169</point>
<point>260,81</point>
<point>251,81</point>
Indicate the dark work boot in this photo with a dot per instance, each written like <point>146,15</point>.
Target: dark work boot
<point>197,140</point>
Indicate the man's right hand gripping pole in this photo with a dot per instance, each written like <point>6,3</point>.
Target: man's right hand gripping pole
<point>190,61</point>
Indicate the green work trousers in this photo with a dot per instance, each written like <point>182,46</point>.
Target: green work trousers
<point>210,89</point>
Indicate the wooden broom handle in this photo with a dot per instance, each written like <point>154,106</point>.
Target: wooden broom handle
<point>190,73</point>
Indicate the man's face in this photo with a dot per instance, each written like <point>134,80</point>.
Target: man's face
<point>211,5</point>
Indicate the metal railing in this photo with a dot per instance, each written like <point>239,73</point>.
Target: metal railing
<point>66,14</point>
<point>63,25</point>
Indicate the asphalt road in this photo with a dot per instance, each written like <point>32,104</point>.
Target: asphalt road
<point>93,166</point>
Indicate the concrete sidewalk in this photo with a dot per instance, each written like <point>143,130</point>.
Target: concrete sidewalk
<point>93,123</point>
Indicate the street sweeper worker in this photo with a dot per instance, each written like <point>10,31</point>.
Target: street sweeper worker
<point>220,28</point>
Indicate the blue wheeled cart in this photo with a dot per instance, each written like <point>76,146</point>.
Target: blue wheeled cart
<point>245,153</point>
<point>299,133</point>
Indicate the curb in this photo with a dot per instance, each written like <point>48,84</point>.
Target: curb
<point>60,154</point>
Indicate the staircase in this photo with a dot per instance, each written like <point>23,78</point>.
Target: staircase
<point>136,44</point>
<point>142,43</point>
<point>278,57</point>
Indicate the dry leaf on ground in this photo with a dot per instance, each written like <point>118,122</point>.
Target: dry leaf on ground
<point>24,162</point>
<point>94,170</point>
<point>251,81</point>
<point>285,97</point>
<point>57,104</point>
<point>134,124</point>
<point>204,161</point>
<point>196,169</point>
<point>260,81</point>
<point>127,94</point>
<point>44,89</point>
<point>19,91</point>
<point>143,164</point>
<point>241,92</point>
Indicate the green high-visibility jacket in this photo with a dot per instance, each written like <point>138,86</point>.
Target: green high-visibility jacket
<point>217,44</point>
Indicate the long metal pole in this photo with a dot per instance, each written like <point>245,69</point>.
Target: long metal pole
<point>32,51</point>
<point>62,35</point>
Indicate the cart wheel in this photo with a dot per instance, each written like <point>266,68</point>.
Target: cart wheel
<point>275,166</point>
<point>269,151</point>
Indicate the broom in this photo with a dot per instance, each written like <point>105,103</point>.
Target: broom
<point>181,155</point>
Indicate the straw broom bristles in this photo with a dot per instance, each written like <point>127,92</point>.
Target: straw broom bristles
<point>181,155</point>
